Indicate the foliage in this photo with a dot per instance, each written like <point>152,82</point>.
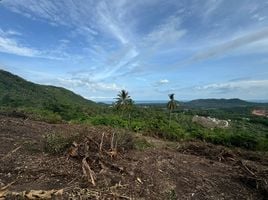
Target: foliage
<point>172,195</point>
<point>56,143</point>
<point>172,103</point>
<point>20,98</point>
<point>123,101</point>
<point>18,93</point>
<point>218,103</point>
<point>111,120</point>
<point>141,144</point>
<point>124,139</point>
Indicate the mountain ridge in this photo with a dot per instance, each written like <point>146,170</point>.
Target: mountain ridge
<point>221,103</point>
<point>16,91</point>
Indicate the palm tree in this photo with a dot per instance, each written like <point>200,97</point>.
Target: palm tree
<point>124,102</point>
<point>171,105</point>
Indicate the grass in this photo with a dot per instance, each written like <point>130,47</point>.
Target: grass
<point>141,144</point>
<point>56,143</point>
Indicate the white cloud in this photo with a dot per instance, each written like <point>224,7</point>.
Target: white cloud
<point>12,46</point>
<point>242,85</point>
<point>13,32</point>
<point>210,7</point>
<point>109,20</point>
<point>166,33</point>
<point>164,81</point>
<point>100,97</point>
<point>8,45</point>
<point>160,83</point>
<point>231,45</point>
<point>88,83</point>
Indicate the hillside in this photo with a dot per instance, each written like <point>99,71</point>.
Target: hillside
<point>143,168</point>
<point>220,103</point>
<point>15,92</point>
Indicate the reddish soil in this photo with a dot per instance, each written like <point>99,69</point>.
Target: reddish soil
<point>258,112</point>
<point>186,170</point>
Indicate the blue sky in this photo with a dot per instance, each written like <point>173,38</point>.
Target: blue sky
<point>193,48</point>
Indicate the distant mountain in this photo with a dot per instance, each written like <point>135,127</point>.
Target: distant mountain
<point>220,103</point>
<point>17,92</point>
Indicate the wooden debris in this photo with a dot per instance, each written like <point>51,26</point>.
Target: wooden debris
<point>88,172</point>
<point>13,151</point>
<point>101,143</point>
<point>33,194</point>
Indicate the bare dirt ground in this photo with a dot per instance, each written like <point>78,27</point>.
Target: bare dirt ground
<point>166,170</point>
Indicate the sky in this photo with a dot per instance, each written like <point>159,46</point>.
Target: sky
<point>193,48</point>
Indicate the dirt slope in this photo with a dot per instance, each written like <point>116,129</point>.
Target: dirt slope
<point>190,170</point>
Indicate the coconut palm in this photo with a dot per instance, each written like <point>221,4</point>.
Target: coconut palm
<point>124,102</point>
<point>171,105</point>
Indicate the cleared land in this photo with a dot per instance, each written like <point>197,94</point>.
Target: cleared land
<point>144,167</point>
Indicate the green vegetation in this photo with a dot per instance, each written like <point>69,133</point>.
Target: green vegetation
<point>141,144</point>
<point>48,102</point>
<point>56,143</point>
<point>172,195</point>
<point>171,105</point>
<point>20,98</point>
<point>124,104</point>
<point>220,103</point>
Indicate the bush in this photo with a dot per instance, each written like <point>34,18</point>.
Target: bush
<point>262,144</point>
<point>124,140</point>
<point>244,140</point>
<point>137,126</point>
<point>141,144</point>
<point>114,121</point>
<point>57,143</point>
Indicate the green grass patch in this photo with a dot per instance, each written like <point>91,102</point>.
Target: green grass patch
<point>141,144</point>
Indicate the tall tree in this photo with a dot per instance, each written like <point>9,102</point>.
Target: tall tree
<point>171,105</point>
<point>124,103</point>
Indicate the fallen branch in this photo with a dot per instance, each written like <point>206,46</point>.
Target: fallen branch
<point>7,186</point>
<point>112,142</point>
<point>101,143</point>
<point>13,151</point>
<point>112,166</point>
<point>88,172</point>
<point>247,169</point>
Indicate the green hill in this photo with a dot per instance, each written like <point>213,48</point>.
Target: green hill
<point>15,92</point>
<point>220,103</point>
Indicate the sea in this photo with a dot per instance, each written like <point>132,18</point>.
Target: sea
<point>140,102</point>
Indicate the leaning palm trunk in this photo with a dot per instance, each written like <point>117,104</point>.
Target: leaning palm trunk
<point>169,119</point>
<point>129,120</point>
<point>171,106</point>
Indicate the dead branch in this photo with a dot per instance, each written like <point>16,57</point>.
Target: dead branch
<point>93,141</point>
<point>88,172</point>
<point>112,166</point>
<point>13,151</point>
<point>101,143</point>
<point>247,169</point>
<point>112,142</point>
<point>7,186</point>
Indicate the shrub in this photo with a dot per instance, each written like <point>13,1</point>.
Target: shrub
<point>124,140</point>
<point>141,144</point>
<point>137,126</point>
<point>57,143</point>
<point>243,140</point>
<point>114,121</point>
<point>262,144</point>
